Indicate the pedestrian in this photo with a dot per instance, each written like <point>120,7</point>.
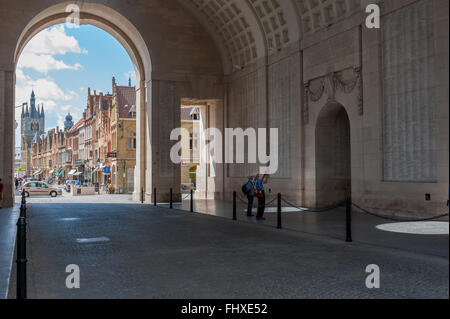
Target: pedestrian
<point>1,193</point>
<point>249,190</point>
<point>16,182</point>
<point>261,195</point>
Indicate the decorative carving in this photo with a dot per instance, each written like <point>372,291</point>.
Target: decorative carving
<point>360,91</point>
<point>316,96</point>
<point>306,103</point>
<point>346,87</point>
<point>330,83</point>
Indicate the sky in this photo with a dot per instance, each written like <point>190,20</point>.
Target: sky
<point>61,62</point>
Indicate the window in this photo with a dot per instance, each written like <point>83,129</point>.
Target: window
<point>190,141</point>
<point>131,140</point>
<point>195,114</point>
<point>195,141</point>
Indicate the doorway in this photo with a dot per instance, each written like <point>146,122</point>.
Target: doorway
<point>333,156</point>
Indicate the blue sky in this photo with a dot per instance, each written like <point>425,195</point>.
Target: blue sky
<point>61,62</point>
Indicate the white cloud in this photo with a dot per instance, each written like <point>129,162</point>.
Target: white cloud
<point>44,63</point>
<point>39,53</point>
<point>44,88</point>
<point>53,41</point>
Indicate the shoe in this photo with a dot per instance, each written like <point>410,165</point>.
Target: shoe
<point>250,215</point>
<point>260,218</point>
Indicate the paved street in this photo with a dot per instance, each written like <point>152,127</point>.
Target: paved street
<point>148,252</point>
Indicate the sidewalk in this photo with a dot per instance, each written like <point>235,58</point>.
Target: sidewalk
<point>8,220</point>
<point>329,223</point>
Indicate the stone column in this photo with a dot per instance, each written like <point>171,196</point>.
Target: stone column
<point>142,130</point>
<point>165,116</point>
<point>7,134</point>
<point>202,168</point>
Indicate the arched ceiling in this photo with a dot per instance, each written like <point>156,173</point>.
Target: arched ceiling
<point>316,14</point>
<point>246,30</point>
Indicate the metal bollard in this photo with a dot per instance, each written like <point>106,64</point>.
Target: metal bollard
<point>23,198</point>
<point>192,200</point>
<point>279,212</point>
<point>348,217</point>
<point>23,211</point>
<point>154,196</point>
<point>171,198</point>
<point>21,259</point>
<point>142,195</point>
<point>234,206</point>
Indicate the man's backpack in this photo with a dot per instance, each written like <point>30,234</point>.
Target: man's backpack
<point>247,188</point>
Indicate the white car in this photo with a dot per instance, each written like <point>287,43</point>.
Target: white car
<point>40,188</point>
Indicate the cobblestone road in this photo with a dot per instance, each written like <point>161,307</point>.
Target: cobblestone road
<point>161,253</point>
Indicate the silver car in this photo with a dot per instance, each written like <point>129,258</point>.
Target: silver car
<point>40,188</point>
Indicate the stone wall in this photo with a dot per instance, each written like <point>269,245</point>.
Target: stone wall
<point>409,96</point>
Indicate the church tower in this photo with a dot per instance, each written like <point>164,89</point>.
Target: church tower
<point>32,123</point>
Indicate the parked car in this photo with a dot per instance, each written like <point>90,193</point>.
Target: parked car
<point>40,188</point>
<point>68,184</point>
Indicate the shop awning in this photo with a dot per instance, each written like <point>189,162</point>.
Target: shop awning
<point>60,172</point>
<point>37,172</point>
<point>77,174</point>
<point>72,172</point>
<point>51,171</point>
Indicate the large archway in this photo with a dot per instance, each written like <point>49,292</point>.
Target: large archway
<point>161,82</point>
<point>333,160</point>
<point>125,33</point>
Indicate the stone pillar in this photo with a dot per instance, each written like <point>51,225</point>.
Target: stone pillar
<point>142,122</point>
<point>7,134</point>
<point>165,116</point>
<point>202,168</point>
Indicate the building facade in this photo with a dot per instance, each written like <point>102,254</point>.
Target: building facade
<point>190,146</point>
<point>123,137</point>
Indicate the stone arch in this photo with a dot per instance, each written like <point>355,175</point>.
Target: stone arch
<point>124,32</point>
<point>184,63</point>
<point>332,155</point>
<point>100,16</point>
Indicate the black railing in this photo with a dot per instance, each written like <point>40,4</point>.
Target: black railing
<point>21,251</point>
<point>348,210</point>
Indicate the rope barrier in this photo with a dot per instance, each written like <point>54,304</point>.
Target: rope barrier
<point>257,206</point>
<point>398,219</point>
<point>314,210</point>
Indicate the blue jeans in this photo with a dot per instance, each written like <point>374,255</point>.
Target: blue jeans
<point>250,204</point>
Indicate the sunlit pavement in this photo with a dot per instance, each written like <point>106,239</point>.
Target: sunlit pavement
<point>365,228</point>
<point>68,198</point>
<point>152,252</point>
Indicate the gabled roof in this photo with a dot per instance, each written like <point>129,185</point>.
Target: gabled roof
<point>76,125</point>
<point>126,98</point>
